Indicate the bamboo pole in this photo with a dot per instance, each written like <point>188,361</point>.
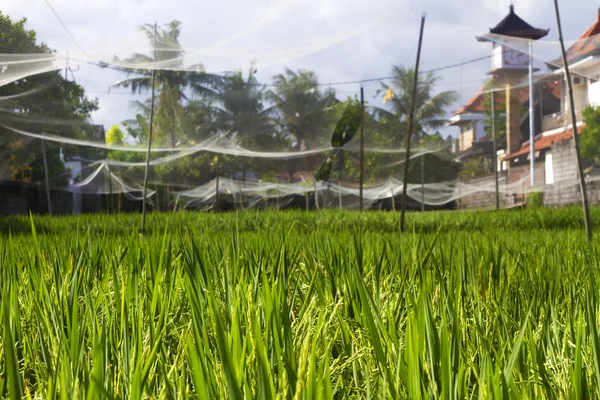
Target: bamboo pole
<point>411,118</point>
<point>144,200</point>
<point>495,156</point>
<point>48,197</point>
<point>584,198</point>
<point>362,143</point>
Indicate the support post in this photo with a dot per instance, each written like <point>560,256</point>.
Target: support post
<point>316,194</point>
<point>423,182</point>
<point>48,197</point>
<point>362,143</point>
<point>216,205</point>
<point>584,198</point>
<point>144,201</point>
<point>494,150</point>
<point>411,118</point>
<point>531,118</point>
<point>176,203</point>
<point>110,191</point>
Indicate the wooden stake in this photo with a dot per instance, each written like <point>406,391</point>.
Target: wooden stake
<point>495,156</point>
<point>149,139</point>
<point>411,118</point>
<point>216,205</point>
<point>362,143</point>
<point>584,198</point>
<point>48,197</point>
<point>316,195</point>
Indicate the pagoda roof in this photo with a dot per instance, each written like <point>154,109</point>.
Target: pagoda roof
<point>514,26</point>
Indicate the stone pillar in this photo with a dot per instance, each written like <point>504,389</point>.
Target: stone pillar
<point>513,116</point>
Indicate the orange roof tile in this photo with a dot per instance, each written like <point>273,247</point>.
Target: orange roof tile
<point>476,103</point>
<point>545,142</point>
<point>587,44</point>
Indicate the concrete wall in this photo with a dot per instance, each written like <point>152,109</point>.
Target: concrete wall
<point>467,137</point>
<point>520,172</point>
<point>565,190</point>
<point>580,96</point>
<point>483,200</point>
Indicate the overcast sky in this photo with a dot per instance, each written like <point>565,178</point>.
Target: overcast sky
<point>339,39</point>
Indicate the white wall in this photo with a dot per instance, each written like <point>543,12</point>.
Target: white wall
<point>479,130</point>
<point>580,96</point>
<point>594,93</point>
<point>549,168</point>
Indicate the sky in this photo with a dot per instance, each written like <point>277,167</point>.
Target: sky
<point>341,40</point>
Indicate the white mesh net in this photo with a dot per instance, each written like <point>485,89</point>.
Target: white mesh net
<point>257,118</point>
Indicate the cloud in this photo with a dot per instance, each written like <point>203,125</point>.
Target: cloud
<point>379,33</point>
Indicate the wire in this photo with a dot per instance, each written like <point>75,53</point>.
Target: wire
<point>353,82</point>
<point>65,27</point>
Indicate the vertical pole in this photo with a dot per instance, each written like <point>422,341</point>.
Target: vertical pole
<point>340,192</point>
<point>46,178</point>
<point>216,205</point>
<point>411,118</point>
<point>531,118</point>
<point>423,182</point>
<point>306,198</point>
<point>149,137</point>
<point>495,155</point>
<point>241,198</point>
<point>316,194</point>
<point>393,200</point>
<point>362,143</point>
<point>584,198</point>
<point>110,191</point>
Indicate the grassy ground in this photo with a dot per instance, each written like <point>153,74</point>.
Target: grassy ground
<point>300,305</point>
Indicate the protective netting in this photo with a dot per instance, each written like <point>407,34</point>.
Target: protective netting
<point>246,122</point>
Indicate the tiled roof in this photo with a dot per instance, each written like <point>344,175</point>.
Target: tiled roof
<point>588,44</point>
<point>513,25</point>
<point>476,103</point>
<point>544,142</point>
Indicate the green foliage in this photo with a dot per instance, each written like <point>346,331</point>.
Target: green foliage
<point>500,110</point>
<point>474,167</point>
<point>430,108</point>
<point>590,135</point>
<point>49,95</point>
<point>535,200</point>
<point>250,305</point>
<point>114,136</point>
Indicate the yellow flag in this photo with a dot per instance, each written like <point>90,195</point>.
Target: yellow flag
<point>388,95</point>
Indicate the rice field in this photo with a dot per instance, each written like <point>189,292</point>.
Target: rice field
<point>296,305</point>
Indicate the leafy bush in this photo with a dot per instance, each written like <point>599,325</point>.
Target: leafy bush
<point>535,200</point>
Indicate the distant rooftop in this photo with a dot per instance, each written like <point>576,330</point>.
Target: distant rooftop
<point>515,26</point>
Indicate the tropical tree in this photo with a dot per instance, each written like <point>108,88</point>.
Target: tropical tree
<point>303,112</point>
<point>302,106</point>
<point>590,135</point>
<point>242,114</point>
<point>174,85</point>
<point>430,108</point>
<point>30,103</point>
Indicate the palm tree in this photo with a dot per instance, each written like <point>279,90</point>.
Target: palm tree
<point>173,83</point>
<point>430,108</point>
<point>241,112</point>
<point>302,106</point>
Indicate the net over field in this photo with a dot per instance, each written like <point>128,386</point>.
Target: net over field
<point>267,112</point>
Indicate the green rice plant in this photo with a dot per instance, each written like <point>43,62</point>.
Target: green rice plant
<point>293,305</point>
